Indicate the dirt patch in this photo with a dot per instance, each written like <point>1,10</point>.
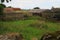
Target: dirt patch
<point>51,36</point>
<point>11,36</point>
<point>34,38</point>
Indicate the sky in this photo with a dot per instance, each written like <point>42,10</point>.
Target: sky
<point>30,4</point>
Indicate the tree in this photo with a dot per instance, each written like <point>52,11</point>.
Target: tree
<point>36,8</point>
<point>2,6</point>
<point>4,1</point>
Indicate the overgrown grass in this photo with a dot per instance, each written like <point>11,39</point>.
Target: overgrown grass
<point>23,26</point>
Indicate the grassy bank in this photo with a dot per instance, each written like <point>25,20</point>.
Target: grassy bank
<point>24,26</point>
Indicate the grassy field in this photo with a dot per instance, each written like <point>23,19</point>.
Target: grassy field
<point>31,28</point>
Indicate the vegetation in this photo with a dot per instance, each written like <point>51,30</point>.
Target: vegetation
<point>53,14</point>
<point>51,36</point>
<point>5,0</point>
<point>29,28</point>
<point>36,8</point>
<point>2,6</point>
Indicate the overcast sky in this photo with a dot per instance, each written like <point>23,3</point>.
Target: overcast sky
<point>29,4</point>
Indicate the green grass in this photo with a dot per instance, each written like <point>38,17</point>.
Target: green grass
<point>23,26</point>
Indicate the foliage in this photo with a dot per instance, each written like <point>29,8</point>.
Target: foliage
<point>36,8</point>
<point>4,1</point>
<point>47,11</point>
<point>2,6</point>
<point>53,14</point>
<point>23,26</point>
<point>55,10</point>
<point>57,16</point>
<point>39,25</point>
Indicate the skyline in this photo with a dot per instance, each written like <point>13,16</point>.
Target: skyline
<point>30,4</point>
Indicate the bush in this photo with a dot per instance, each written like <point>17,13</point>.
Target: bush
<point>53,14</point>
<point>2,6</point>
<point>57,16</point>
<point>1,10</point>
<point>36,8</point>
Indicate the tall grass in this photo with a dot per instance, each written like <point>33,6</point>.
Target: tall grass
<point>23,26</point>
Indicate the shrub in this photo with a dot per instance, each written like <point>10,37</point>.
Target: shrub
<point>36,8</point>
<point>1,8</point>
<point>57,16</point>
<point>53,14</point>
